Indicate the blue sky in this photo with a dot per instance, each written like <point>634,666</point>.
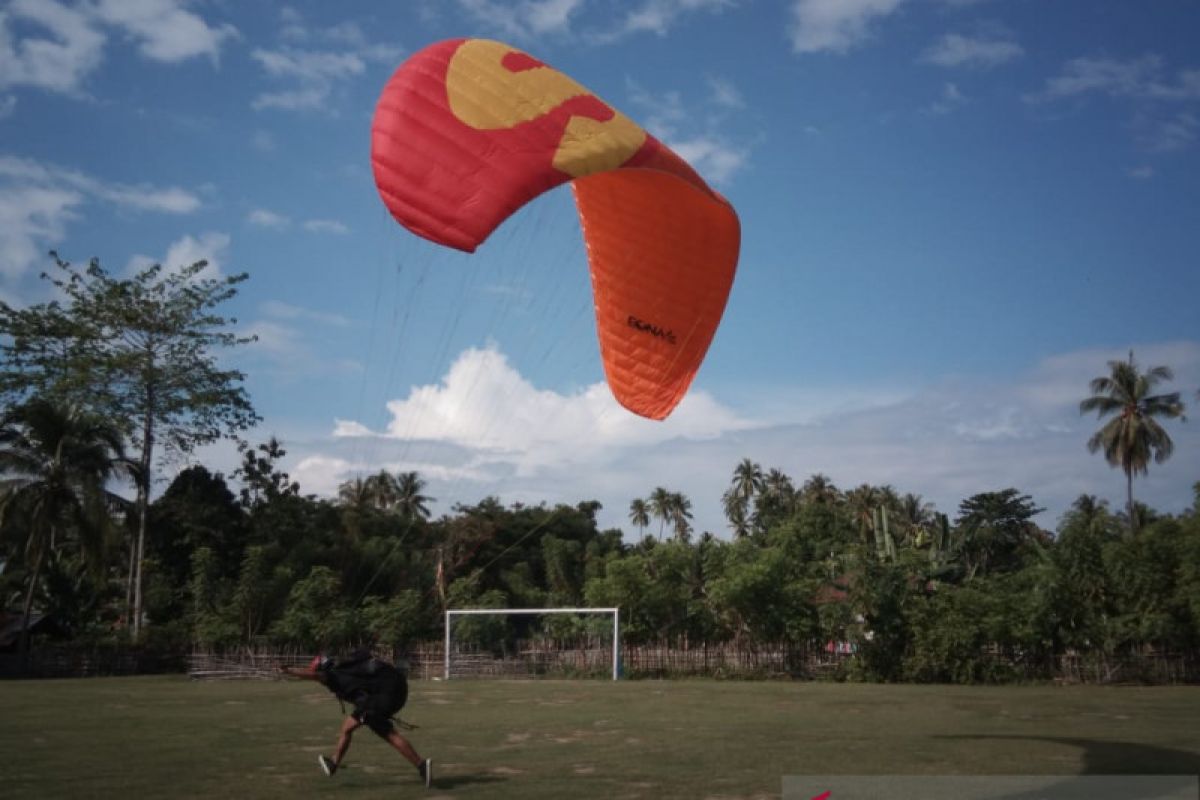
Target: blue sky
<point>954,213</point>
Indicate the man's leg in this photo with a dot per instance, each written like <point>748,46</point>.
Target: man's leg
<point>403,746</point>
<point>349,726</point>
<point>387,731</point>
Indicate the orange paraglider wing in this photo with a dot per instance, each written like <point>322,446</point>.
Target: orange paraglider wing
<point>469,130</point>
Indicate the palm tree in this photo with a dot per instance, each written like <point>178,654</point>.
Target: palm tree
<point>639,515</point>
<point>1133,436</point>
<point>410,503</point>
<point>747,482</point>
<point>916,516</point>
<point>383,489</point>
<point>777,496</point>
<point>681,514</point>
<point>747,479</point>
<point>735,512</point>
<point>819,490</point>
<point>660,507</point>
<point>863,500</point>
<point>355,494</point>
<point>55,461</point>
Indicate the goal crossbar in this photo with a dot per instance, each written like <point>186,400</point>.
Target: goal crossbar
<point>616,615</point>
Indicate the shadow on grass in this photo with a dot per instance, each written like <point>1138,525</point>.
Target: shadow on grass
<point>1102,757</point>
<point>456,781</point>
<point>1114,759</point>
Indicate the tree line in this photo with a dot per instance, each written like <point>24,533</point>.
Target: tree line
<point>97,386</point>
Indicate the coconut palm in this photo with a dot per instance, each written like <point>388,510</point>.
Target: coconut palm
<point>777,496</point>
<point>746,484</point>
<point>1133,436</point>
<point>916,518</point>
<point>409,502</point>
<point>735,512</point>
<point>383,489</point>
<point>862,501</point>
<point>819,490</point>
<point>639,515</point>
<point>355,493</point>
<point>681,515</point>
<point>747,479</point>
<point>660,507</point>
<point>55,461</point>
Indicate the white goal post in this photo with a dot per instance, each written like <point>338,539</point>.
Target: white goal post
<point>616,626</point>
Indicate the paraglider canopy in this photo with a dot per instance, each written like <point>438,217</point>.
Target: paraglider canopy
<point>469,130</point>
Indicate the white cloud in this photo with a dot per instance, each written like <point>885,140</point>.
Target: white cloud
<point>263,142</point>
<point>951,98</point>
<point>484,404</point>
<point>164,29</point>
<point>835,25</point>
<point>264,218</point>
<point>1139,78</point>
<point>38,200</point>
<point>659,16</point>
<point>314,72</point>
<point>725,93</point>
<point>1142,82</point>
<point>280,310</point>
<point>172,200</point>
<point>954,50</point>
<point>212,247</point>
<point>486,430</point>
<point>523,19</point>
<point>58,62</point>
<point>284,354</point>
<point>70,41</point>
<point>713,158</point>
<point>711,152</point>
<point>1167,135</point>
<point>326,226</point>
<point>274,338</point>
<point>33,219</point>
<point>1143,172</point>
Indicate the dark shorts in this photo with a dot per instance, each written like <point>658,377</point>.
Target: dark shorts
<point>380,724</point>
<point>377,712</point>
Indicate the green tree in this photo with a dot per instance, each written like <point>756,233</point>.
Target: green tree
<point>681,515</point>
<point>639,515</point>
<point>820,490</point>
<point>383,489</point>
<point>55,462</point>
<point>747,482</point>
<point>139,351</point>
<point>410,502</point>
<point>735,512</point>
<point>1133,436</point>
<point>660,507</point>
<point>994,527</point>
<point>355,494</point>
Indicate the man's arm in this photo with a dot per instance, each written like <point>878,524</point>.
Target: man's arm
<point>304,673</point>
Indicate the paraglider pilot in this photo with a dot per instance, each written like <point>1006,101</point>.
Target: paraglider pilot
<point>377,691</point>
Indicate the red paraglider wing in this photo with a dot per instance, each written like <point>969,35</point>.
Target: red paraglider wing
<point>469,130</point>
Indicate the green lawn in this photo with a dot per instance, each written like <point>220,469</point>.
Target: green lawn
<point>171,737</point>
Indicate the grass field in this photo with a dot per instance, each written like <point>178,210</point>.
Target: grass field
<point>171,737</point>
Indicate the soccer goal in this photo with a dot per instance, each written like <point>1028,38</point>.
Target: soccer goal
<point>528,642</point>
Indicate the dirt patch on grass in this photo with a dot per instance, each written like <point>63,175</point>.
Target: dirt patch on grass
<point>506,771</point>
<point>517,738</point>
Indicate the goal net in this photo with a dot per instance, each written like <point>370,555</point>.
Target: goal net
<point>532,642</point>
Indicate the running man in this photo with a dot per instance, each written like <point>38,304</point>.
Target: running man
<point>378,691</point>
